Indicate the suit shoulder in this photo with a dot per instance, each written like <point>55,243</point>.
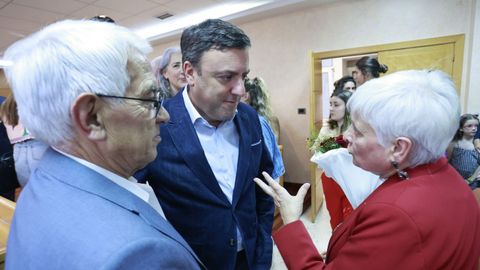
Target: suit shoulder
<point>247,110</point>
<point>151,253</point>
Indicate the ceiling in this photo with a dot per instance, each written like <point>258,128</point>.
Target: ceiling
<point>19,18</point>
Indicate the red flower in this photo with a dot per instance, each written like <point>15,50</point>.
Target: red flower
<point>340,140</point>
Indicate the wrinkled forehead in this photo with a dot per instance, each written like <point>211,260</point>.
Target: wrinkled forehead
<point>140,72</point>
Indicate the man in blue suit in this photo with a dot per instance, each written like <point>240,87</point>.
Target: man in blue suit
<point>86,89</point>
<point>212,148</point>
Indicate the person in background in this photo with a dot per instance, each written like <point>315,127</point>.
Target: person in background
<point>27,151</point>
<point>212,148</point>
<point>346,83</point>
<point>99,110</point>
<point>476,139</point>
<point>367,68</point>
<point>8,177</point>
<point>422,203</point>
<point>102,18</point>
<point>337,203</point>
<point>461,152</point>
<point>257,97</point>
<point>169,71</point>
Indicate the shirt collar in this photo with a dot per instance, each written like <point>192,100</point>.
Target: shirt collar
<point>129,184</point>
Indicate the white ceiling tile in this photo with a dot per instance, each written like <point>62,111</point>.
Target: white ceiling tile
<point>14,25</point>
<point>144,18</point>
<point>93,10</point>
<point>183,6</point>
<point>87,1</point>
<point>59,6</point>
<point>161,1</point>
<point>29,14</point>
<point>127,6</point>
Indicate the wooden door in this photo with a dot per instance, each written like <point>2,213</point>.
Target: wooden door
<point>424,57</point>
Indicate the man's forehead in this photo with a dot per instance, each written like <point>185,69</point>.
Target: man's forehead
<point>226,59</point>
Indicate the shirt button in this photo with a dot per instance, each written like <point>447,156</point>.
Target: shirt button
<point>232,242</point>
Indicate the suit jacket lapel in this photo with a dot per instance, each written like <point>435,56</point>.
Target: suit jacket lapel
<point>186,141</point>
<point>242,124</point>
<point>92,182</point>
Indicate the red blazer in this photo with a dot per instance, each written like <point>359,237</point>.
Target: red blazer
<point>429,221</point>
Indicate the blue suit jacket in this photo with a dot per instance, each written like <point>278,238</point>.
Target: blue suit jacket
<point>193,200</point>
<point>70,217</point>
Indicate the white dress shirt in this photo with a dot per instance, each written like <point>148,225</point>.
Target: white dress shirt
<point>143,191</point>
<point>220,145</point>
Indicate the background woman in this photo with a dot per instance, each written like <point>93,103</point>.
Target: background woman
<point>338,205</point>
<point>461,152</point>
<point>27,151</point>
<point>366,69</point>
<point>346,83</point>
<point>422,203</point>
<point>169,71</point>
<point>257,97</point>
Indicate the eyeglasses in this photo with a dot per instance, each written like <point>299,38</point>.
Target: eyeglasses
<point>154,108</point>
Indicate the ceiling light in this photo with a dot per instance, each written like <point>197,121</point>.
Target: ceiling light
<point>165,28</point>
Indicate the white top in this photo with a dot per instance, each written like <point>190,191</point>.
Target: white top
<point>220,146</point>
<point>143,191</point>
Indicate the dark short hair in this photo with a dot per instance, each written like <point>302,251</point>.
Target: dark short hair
<point>463,119</point>
<point>102,18</point>
<point>210,34</point>
<point>370,65</point>
<point>340,84</point>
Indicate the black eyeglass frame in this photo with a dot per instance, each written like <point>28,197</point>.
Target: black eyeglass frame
<point>157,104</point>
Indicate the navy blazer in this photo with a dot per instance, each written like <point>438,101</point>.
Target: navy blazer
<point>71,217</point>
<point>193,200</point>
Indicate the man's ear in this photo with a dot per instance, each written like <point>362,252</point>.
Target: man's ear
<point>189,71</point>
<point>86,118</point>
<point>401,149</point>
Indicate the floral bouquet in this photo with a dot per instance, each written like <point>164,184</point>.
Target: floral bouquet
<point>324,144</point>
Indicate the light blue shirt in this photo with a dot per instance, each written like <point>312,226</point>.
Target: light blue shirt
<point>273,150</point>
<point>220,145</point>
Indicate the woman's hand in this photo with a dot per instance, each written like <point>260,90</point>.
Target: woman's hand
<point>290,206</point>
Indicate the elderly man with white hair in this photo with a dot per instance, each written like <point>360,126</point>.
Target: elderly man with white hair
<point>86,89</point>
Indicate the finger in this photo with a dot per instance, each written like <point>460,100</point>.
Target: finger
<point>273,184</point>
<point>267,189</point>
<point>303,191</point>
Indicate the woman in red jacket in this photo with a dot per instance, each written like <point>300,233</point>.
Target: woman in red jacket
<point>423,215</point>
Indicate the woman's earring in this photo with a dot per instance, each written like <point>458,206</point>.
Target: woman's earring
<point>402,174</point>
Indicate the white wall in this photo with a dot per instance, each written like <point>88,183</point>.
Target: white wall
<point>472,96</point>
<point>281,45</point>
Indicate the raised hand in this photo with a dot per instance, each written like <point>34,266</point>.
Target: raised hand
<point>290,206</point>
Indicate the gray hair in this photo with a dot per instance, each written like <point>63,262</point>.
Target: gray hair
<point>421,105</point>
<point>159,64</point>
<point>52,67</point>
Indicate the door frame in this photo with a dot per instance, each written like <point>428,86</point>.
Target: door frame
<point>316,83</point>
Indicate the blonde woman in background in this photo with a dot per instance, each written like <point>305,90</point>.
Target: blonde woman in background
<point>257,97</point>
<point>27,151</point>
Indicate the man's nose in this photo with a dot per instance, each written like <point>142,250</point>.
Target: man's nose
<point>239,88</point>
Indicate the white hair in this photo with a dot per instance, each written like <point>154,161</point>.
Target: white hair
<point>421,105</point>
<point>53,66</point>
